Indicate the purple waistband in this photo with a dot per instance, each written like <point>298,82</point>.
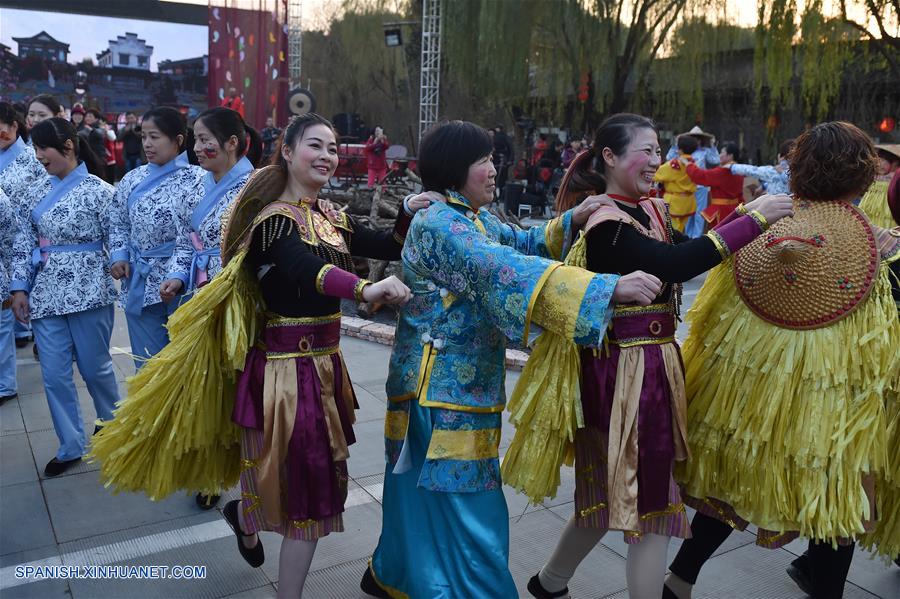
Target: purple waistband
<point>295,337</point>
<point>643,325</point>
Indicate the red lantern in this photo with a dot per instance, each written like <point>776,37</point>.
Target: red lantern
<point>887,124</point>
<point>583,96</point>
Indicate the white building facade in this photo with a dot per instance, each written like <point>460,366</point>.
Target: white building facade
<point>126,51</point>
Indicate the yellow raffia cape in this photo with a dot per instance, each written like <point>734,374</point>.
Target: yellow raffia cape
<point>546,410</point>
<point>783,424</point>
<point>874,203</point>
<point>174,429</point>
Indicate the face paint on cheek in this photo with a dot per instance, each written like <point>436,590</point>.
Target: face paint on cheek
<point>5,135</point>
<point>636,163</point>
<point>210,152</point>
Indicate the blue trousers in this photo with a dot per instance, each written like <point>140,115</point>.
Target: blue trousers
<point>23,331</point>
<point>147,332</point>
<point>7,354</point>
<point>87,335</point>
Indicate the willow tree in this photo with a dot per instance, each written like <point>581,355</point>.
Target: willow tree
<point>547,49</point>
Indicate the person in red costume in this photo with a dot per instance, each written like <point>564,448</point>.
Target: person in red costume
<point>376,161</point>
<point>725,190</point>
<point>234,102</point>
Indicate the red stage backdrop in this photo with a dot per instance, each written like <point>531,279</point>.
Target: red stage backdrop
<point>248,51</point>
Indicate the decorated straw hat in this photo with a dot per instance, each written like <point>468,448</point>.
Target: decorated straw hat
<point>263,188</point>
<point>696,131</point>
<point>893,149</point>
<point>811,270</point>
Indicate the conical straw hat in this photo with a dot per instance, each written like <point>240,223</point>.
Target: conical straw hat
<point>811,270</point>
<point>697,132</point>
<point>263,188</point>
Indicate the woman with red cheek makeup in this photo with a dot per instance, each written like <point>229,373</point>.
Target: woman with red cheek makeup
<point>632,389</point>
<point>228,150</point>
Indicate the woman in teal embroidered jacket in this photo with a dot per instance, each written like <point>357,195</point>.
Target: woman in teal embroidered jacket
<point>475,282</point>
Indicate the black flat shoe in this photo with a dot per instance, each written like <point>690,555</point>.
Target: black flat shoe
<point>22,342</point>
<point>56,467</point>
<point>6,398</point>
<point>370,587</point>
<point>37,354</point>
<point>538,591</point>
<point>207,502</point>
<point>255,556</point>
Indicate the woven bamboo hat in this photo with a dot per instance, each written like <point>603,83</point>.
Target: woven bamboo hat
<point>696,131</point>
<point>811,270</point>
<point>263,188</point>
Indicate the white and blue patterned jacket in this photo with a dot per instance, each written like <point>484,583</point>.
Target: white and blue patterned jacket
<point>151,221</point>
<point>187,259</point>
<point>23,177</point>
<point>7,234</point>
<point>65,280</point>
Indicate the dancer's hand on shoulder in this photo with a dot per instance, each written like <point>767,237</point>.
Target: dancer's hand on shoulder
<point>583,211</point>
<point>639,288</point>
<point>423,200</point>
<point>773,207</point>
<point>387,291</point>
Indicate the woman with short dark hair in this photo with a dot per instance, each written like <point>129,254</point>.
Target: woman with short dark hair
<point>793,423</point>
<point>475,282</point>
<point>61,282</point>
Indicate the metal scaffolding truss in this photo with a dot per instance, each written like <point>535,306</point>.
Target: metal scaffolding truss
<point>430,82</point>
<point>295,45</point>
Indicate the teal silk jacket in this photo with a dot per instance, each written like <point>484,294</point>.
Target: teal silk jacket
<point>475,283</point>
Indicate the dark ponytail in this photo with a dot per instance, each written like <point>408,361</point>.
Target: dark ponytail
<point>587,173</point>
<point>9,115</point>
<point>223,123</point>
<point>53,133</point>
<point>294,132</point>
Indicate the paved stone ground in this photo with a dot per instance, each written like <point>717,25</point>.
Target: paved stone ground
<point>73,520</point>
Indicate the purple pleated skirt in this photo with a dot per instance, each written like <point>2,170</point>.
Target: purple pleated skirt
<point>296,406</point>
<point>659,504</point>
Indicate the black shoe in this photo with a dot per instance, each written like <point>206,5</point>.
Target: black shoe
<point>255,556</point>
<point>55,467</point>
<point>799,572</point>
<point>897,561</point>
<point>668,594</point>
<point>207,502</point>
<point>22,342</point>
<point>370,587</point>
<point>6,398</point>
<point>538,591</point>
<point>34,350</point>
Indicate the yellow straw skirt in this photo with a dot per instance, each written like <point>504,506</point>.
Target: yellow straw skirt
<point>874,203</point>
<point>790,428</point>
